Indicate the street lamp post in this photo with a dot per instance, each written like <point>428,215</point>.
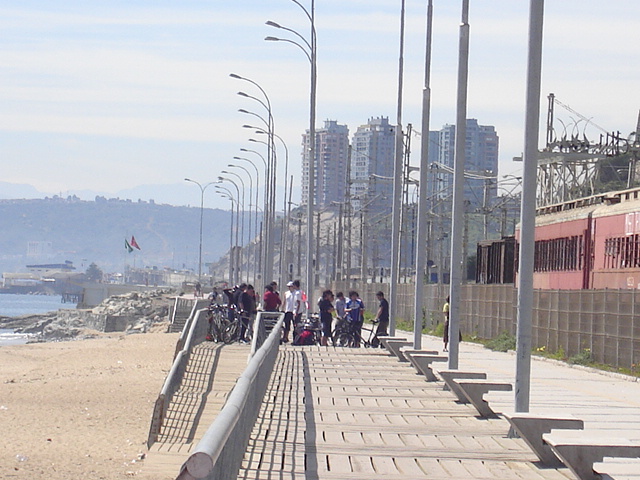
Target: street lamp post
<point>202,189</point>
<point>257,265</point>
<point>270,175</point>
<point>423,205</point>
<point>312,56</point>
<point>239,222</point>
<point>223,192</point>
<point>250,238</point>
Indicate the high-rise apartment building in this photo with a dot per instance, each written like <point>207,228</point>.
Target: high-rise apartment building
<point>330,173</point>
<point>481,161</point>
<point>372,163</point>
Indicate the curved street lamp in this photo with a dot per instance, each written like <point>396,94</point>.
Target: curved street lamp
<point>223,192</point>
<point>270,177</point>
<point>311,55</point>
<point>202,189</point>
<point>239,223</point>
<point>250,238</point>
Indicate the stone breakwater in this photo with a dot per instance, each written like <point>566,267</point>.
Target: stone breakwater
<point>135,312</point>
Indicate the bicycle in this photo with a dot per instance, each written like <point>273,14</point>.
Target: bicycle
<point>372,341</point>
<point>347,334</point>
<point>232,330</point>
<point>218,320</point>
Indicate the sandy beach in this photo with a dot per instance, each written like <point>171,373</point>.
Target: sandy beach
<point>80,409</point>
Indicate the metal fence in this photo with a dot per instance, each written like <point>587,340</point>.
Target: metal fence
<point>604,322</point>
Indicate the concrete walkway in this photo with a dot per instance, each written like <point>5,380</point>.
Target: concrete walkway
<point>359,413</point>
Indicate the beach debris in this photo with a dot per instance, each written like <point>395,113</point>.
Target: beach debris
<point>134,312</point>
<point>22,458</point>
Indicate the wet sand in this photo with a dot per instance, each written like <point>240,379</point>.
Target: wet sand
<point>80,409</point>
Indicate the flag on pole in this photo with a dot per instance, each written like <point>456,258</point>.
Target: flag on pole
<point>128,247</point>
<point>134,243</point>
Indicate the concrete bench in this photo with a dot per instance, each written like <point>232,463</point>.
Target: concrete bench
<point>580,453</point>
<point>449,377</point>
<point>422,363</point>
<point>474,390</point>
<point>409,350</point>
<point>531,428</point>
<point>618,469</point>
<point>384,340</point>
<point>393,347</point>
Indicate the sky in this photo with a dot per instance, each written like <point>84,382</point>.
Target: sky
<point>106,97</point>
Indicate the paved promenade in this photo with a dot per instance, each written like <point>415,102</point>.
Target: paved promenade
<point>360,413</point>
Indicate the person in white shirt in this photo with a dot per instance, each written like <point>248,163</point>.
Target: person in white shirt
<point>292,304</point>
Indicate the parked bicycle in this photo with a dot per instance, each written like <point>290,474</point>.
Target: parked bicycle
<point>218,321</point>
<point>233,329</point>
<point>347,334</point>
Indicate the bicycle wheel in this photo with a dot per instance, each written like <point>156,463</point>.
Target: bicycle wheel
<point>216,328</point>
<point>230,333</point>
<point>345,340</point>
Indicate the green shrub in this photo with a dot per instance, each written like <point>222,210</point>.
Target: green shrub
<point>582,358</point>
<point>502,343</point>
<point>438,331</point>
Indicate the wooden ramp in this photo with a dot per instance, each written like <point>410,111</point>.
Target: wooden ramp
<point>211,374</point>
<point>348,413</point>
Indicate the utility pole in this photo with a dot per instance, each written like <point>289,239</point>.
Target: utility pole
<point>316,263</point>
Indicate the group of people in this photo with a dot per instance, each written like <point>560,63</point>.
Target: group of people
<point>352,310</point>
<point>332,308</point>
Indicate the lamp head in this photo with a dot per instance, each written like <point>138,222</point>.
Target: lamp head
<point>272,39</point>
<point>233,75</point>
<point>272,24</point>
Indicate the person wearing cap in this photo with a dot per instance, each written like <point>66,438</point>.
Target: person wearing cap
<point>291,305</point>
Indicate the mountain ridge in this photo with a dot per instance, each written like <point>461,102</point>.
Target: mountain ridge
<point>84,231</point>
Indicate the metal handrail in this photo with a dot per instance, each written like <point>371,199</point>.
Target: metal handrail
<point>193,333</point>
<point>220,452</point>
<point>265,322</point>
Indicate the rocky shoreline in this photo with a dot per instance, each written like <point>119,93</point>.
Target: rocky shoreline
<point>135,312</point>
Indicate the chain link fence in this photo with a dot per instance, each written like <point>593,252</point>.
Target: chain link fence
<point>606,323</point>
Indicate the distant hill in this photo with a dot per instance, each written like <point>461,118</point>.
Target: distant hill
<point>95,231</point>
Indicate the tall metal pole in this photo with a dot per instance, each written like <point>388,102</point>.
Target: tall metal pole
<point>239,204</point>
<point>231,266</point>
<point>421,242</point>
<point>457,255</point>
<point>225,192</point>
<point>397,187</point>
<point>249,237</point>
<point>242,222</point>
<point>312,156</point>
<point>528,208</point>
<point>202,189</point>
<point>256,231</point>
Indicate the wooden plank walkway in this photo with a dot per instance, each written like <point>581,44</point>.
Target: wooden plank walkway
<point>339,413</point>
<point>211,374</point>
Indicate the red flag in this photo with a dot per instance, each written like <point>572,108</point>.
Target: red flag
<point>134,243</point>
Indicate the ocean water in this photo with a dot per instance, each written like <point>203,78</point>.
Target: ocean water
<point>16,305</point>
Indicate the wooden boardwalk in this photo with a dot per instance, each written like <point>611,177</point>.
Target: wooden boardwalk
<point>211,374</point>
<point>334,413</point>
